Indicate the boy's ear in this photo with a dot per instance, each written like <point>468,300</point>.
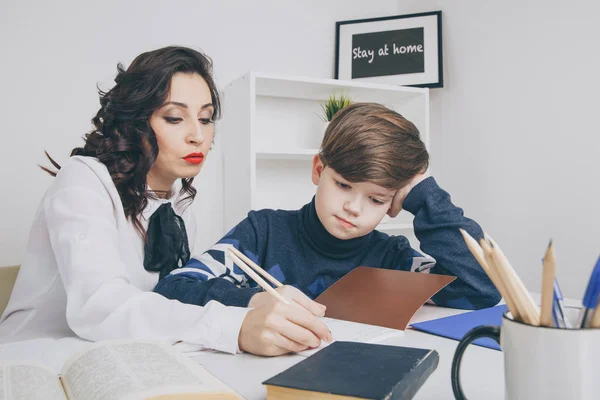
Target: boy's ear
<point>317,169</point>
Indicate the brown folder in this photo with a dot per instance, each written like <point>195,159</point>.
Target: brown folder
<point>381,297</point>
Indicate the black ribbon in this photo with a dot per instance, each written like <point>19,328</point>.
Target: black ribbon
<point>166,245</point>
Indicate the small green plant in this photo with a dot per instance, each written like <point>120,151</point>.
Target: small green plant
<point>333,105</point>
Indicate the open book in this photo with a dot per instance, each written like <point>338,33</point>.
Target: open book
<point>120,370</point>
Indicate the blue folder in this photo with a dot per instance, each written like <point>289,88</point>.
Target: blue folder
<point>456,326</point>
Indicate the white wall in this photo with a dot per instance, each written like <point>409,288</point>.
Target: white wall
<point>53,54</point>
<point>514,137</point>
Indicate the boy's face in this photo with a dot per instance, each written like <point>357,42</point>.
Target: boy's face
<point>348,209</point>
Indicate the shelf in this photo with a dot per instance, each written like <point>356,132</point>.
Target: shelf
<point>321,89</point>
<point>299,154</point>
<point>277,130</point>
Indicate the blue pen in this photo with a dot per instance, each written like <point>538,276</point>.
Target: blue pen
<point>555,313</point>
<point>590,299</point>
<point>559,309</point>
<point>558,321</point>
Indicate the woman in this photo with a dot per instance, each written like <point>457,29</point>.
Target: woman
<point>116,219</point>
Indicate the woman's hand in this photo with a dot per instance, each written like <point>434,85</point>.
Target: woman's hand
<point>401,194</point>
<point>291,294</point>
<point>275,328</point>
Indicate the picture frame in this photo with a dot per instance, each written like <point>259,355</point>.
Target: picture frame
<point>398,50</point>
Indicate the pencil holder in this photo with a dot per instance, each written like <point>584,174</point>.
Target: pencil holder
<point>541,362</point>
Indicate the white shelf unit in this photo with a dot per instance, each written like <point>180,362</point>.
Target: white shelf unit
<point>272,128</point>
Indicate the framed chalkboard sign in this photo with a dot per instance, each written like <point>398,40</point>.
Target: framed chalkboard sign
<point>399,50</point>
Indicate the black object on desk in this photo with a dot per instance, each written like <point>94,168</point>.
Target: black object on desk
<point>368,371</point>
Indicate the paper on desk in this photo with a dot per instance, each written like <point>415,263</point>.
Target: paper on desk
<point>457,326</point>
<point>347,331</point>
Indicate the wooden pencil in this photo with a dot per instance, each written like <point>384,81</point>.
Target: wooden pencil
<point>256,277</point>
<point>491,272</point>
<point>548,276</point>
<point>255,267</point>
<point>510,296</point>
<point>529,308</point>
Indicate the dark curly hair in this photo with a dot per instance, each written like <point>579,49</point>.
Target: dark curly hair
<point>122,138</point>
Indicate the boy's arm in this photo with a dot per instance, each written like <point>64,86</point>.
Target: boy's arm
<point>212,275</point>
<point>436,224</point>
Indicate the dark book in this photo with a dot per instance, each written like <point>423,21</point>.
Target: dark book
<point>355,370</point>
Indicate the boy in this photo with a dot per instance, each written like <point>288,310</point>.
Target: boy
<point>371,162</point>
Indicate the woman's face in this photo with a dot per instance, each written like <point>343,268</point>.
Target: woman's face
<point>184,130</point>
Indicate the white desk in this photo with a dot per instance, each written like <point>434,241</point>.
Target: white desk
<point>482,368</point>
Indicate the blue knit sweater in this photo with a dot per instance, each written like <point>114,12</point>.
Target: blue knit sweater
<point>295,248</point>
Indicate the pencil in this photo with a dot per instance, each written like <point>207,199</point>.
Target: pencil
<point>255,267</point>
<point>548,286</point>
<point>531,310</point>
<point>510,296</point>
<point>490,270</point>
<point>256,277</point>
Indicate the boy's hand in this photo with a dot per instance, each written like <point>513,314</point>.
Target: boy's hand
<point>291,294</point>
<point>277,328</point>
<point>401,194</point>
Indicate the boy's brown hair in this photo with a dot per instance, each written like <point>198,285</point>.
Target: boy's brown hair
<point>368,142</point>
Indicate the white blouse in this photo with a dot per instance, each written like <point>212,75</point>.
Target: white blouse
<point>83,273</point>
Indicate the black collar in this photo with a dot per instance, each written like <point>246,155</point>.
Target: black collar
<point>313,232</point>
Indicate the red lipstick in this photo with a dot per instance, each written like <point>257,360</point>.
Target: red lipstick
<point>194,158</point>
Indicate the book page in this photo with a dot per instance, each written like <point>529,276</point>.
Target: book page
<point>19,381</point>
<point>347,331</point>
<point>51,353</point>
<point>125,369</point>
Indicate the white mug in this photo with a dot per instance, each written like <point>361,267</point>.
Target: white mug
<point>540,362</point>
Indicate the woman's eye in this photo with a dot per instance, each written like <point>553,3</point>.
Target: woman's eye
<point>173,120</point>
<point>376,201</point>
<point>206,121</point>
